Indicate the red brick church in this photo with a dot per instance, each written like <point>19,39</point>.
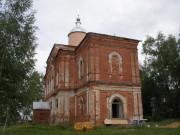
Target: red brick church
<point>93,78</point>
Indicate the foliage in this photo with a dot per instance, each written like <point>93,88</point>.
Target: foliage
<point>19,83</point>
<point>160,76</point>
<point>33,91</point>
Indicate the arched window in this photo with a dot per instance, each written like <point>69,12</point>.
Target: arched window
<point>52,83</point>
<point>57,77</point>
<point>50,104</point>
<point>115,64</point>
<point>56,103</point>
<point>49,85</point>
<point>81,106</point>
<point>81,68</point>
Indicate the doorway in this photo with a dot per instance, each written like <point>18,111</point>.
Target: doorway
<point>117,109</point>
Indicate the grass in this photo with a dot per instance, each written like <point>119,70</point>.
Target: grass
<point>164,122</point>
<point>101,130</point>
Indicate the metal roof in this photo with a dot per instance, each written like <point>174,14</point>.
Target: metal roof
<point>78,27</point>
<point>41,105</point>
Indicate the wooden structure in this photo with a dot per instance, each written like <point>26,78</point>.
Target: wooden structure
<point>83,126</point>
<point>79,126</point>
<point>88,126</point>
<point>41,112</point>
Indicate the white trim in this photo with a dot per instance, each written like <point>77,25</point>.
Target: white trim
<point>97,103</point>
<point>118,88</point>
<point>67,74</point>
<point>75,105</point>
<point>87,102</point>
<point>119,62</point>
<point>123,99</point>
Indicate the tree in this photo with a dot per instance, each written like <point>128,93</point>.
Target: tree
<point>162,68</point>
<point>17,50</point>
<point>148,91</point>
<point>33,91</point>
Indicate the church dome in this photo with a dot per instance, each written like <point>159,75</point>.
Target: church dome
<point>78,27</point>
<point>77,34</point>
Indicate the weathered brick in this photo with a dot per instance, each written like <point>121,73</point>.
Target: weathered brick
<point>109,71</point>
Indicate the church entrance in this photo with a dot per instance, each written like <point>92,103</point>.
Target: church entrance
<point>117,109</point>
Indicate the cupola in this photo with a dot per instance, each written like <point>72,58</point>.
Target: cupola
<point>77,34</point>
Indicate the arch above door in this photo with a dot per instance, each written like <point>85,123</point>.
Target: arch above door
<point>114,106</point>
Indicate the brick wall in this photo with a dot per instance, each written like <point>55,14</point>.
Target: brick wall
<point>41,116</point>
<point>110,67</point>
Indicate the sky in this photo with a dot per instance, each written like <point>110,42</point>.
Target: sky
<point>125,18</point>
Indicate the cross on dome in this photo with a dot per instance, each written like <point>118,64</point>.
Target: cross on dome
<point>78,22</point>
<point>78,27</point>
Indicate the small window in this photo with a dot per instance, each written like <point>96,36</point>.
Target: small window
<point>82,107</point>
<point>81,68</point>
<point>49,85</point>
<point>56,103</point>
<point>57,77</point>
<point>52,83</point>
<point>50,104</point>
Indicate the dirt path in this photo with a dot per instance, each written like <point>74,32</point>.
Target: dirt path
<point>172,125</point>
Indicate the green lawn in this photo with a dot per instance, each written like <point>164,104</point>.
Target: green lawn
<point>103,130</point>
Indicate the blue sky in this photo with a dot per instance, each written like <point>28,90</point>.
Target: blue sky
<point>124,18</point>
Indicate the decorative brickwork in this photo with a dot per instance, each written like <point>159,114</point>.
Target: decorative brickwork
<point>94,81</point>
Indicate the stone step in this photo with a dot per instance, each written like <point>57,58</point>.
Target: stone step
<point>116,121</point>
